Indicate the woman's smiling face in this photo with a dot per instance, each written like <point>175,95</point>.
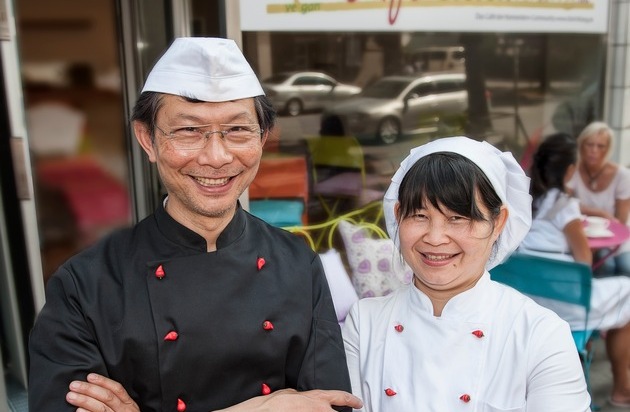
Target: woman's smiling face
<point>448,252</point>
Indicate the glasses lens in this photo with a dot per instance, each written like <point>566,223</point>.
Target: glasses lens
<point>187,139</point>
<point>240,135</point>
<point>233,136</point>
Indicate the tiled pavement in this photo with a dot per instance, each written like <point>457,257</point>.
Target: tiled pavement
<point>601,379</point>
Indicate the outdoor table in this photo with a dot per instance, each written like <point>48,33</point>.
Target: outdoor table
<point>619,234</point>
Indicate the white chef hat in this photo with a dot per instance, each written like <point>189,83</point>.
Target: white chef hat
<point>204,68</point>
<point>503,172</point>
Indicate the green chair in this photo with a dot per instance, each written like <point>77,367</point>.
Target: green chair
<point>339,173</point>
<point>569,282</point>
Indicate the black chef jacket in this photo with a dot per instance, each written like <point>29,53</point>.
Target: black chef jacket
<point>185,329</point>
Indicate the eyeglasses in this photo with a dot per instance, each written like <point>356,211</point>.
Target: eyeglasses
<point>235,136</point>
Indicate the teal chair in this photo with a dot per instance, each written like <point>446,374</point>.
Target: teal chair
<point>278,212</point>
<point>569,282</point>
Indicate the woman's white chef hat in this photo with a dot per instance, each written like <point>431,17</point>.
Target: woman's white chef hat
<point>204,68</point>
<point>504,173</point>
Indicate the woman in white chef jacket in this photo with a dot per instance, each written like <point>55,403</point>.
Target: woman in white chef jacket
<point>454,340</point>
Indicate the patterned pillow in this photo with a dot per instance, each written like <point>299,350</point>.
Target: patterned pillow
<point>377,268</point>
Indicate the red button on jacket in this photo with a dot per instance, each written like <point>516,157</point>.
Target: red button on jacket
<point>172,335</point>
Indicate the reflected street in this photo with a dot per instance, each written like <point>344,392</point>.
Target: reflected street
<point>535,112</point>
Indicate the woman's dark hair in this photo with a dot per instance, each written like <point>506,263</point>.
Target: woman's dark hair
<point>149,103</point>
<point>552,159</point>
<point>448,180</point>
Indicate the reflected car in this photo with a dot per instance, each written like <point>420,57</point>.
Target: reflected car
<point>397,106</point>
<point>439,58</point>
<point>295,92</point>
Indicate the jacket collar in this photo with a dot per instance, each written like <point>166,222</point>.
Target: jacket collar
<point>190,239</point>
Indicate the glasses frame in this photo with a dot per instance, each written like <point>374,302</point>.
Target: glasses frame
<point>173,137</point>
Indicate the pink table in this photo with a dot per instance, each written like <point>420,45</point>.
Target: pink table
<point>621,233</point>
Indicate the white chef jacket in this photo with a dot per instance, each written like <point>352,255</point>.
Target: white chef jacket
<point>493,349</point>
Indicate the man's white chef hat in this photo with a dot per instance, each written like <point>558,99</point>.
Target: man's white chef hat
<point>504,173</point>
<point>204,68</point>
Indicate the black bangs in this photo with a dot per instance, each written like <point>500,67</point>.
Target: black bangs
<point>447,180</point>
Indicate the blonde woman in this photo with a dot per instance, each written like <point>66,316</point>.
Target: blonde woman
<point>603,187</point>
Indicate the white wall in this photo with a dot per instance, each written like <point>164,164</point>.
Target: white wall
<point>618,93</point>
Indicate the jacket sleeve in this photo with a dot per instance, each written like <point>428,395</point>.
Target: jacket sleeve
<point>62,347</point>
<point>352,343</point>
<point>556,381</point>
<point>324,365</point>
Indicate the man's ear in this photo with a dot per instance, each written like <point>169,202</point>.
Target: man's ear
<point>264,138</point>
<point>143,136</point>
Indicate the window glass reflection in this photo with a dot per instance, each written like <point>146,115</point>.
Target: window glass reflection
<point>75,121</point>
<point>508,89</point>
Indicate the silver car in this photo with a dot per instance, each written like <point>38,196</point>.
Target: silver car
<point>294,92</point>
<point>401,105</point>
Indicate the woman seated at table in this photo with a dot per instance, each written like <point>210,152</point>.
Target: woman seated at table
<point>557,232</point>
<point>454,340</point>
<point>603,189</point>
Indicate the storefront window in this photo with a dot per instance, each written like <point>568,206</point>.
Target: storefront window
<point>395,91</point>
<point>75,120</point>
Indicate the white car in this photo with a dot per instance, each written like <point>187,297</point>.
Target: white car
<point>295,92</point>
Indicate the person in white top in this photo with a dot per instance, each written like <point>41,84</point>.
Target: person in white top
<point>454,340</point>
<point>603,188</point>
<point>557,233</point>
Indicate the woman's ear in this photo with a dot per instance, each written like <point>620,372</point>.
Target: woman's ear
<point>500,221</point>
<point>396,211</point>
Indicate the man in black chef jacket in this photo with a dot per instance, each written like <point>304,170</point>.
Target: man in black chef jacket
<point>200,306</point>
